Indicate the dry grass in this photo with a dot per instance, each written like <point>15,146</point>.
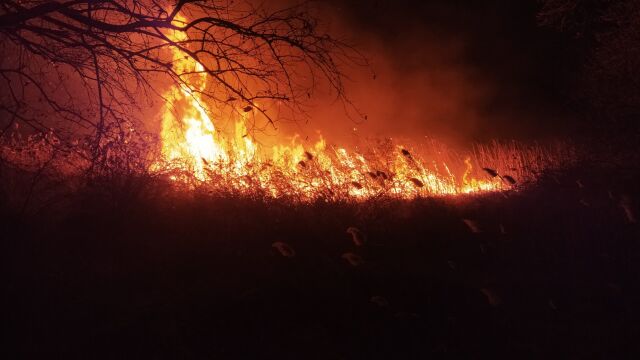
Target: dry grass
<point>383,169</point>
<point>377,169</point>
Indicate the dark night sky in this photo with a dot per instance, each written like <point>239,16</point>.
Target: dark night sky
<point>499,72</point>
<point>501,37</point>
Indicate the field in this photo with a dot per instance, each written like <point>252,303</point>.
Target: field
<point>550,270</point>
<point>319,179</point>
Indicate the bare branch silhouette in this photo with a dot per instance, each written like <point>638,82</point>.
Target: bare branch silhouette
<point>84,67</point>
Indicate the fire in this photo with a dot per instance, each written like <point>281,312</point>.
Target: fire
<point>192,145</point>
<point>193,136</point>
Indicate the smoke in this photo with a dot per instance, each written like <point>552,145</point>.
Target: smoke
<point>414,88</point>
<point>441,69</point>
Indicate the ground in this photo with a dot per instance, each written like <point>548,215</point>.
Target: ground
<point>551,270</point>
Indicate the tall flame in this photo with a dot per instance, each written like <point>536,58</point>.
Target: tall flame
<point>192,137</point>
<point>191,143</point>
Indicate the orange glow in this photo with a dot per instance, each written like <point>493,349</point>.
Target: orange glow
<point>198,153</point>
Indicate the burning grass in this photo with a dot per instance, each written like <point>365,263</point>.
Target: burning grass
<point>375,169</point>
<point>192,153</point>
<point>195,153</point>
<point>378,169</point>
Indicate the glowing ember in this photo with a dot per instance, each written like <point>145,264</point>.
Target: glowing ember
<point>194,150</point>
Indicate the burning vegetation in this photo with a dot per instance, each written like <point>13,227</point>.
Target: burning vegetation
<point>194,156</point>
<point>246,66</point>
<point>195,153</point>
<point>192,153</point>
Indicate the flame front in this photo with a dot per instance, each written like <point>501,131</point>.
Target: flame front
<point>191,138</point>
<point>191,144</point>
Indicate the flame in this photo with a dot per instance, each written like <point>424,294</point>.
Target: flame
<point>192,137</point>
<point>191,144</point>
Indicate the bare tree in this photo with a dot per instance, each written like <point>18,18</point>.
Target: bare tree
<point>85,66</point>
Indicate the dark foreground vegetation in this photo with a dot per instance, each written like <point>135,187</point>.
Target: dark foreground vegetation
<point>553,271</point>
